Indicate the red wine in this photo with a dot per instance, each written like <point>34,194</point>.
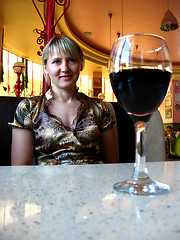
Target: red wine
<point>140,91</point>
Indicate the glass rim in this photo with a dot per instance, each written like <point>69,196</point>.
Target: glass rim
<point>141,34</point>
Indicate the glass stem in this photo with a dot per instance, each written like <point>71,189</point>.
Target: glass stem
<point>140,170</point>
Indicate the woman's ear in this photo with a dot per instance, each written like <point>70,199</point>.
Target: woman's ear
<point>82,66</point>
<point>47,78</point>
<point>45,70</point>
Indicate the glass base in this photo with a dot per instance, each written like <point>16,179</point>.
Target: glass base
<point>141,186</point>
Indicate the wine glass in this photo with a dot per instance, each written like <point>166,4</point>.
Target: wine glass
<point>140,70</point>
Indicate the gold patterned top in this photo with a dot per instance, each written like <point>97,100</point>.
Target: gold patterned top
<point>55,143</point>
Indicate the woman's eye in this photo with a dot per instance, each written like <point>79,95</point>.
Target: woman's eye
<point>72,60</point>
<point>56,62</point>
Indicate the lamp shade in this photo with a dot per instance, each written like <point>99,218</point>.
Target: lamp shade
<point>19,67</point>
<point>169,22</point>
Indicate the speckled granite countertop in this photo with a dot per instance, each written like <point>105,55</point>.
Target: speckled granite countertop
<point>77,202</point>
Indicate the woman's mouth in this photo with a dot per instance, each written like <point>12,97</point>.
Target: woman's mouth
<point>66,77</point>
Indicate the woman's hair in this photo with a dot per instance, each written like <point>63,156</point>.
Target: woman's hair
<point>64,44</point>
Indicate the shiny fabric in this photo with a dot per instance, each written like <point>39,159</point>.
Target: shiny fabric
<point>58,144</point>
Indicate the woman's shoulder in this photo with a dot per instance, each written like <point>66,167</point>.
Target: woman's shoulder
<point>29,104</point>
<point>96,105</point>
<point>96,102</point>
<point>100,110</point>
<point>32,100</point>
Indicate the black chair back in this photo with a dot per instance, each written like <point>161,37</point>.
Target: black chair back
<point>7,109</point>
<point>126,134</point>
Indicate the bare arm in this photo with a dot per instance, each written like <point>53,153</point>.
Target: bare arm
<point>108,146</point>
<point>22,147</point>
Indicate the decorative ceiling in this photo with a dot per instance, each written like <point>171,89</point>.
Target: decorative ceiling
<point>84,16</point>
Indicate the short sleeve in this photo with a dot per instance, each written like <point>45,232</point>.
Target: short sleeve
<point>23,116</point>
<point>107,119</point>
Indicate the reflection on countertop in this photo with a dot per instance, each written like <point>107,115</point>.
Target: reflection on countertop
<point>77,202</point>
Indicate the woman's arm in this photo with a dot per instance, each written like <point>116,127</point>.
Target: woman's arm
<point>109,147</point>
<point>22,148</point>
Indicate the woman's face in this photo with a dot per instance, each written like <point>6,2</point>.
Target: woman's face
<point>63,70</point>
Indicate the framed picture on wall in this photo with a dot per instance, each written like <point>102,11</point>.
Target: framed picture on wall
<point>177,87</point>
<point>177,107</point>
<point>168,102</point>
<point>168,113</point>
<point>96,91</point>
<point>177,92</point>
<point>177,97</point>
<point>97,82</point>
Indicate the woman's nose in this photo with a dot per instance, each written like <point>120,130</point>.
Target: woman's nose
<point>64,66</point>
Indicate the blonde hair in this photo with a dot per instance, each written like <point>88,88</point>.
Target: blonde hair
<point>64,44</point>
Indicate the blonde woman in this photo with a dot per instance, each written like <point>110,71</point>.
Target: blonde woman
<point>63,126</point>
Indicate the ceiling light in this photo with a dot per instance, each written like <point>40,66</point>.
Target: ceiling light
<point>118,34</point>
<point>169,22</point>
<point>87,34</point>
